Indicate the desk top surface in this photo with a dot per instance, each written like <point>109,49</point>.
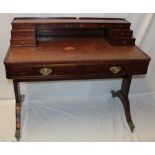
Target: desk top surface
<point>75,49</point>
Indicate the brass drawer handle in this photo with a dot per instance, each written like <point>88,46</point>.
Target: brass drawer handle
<point>46,71</point>
<point>115,69</point>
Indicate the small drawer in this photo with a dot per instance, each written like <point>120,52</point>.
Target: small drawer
<point>121,26</point>
<point>70,25</point>
<point>57,25</point>
<point>120,33</point>
<point>69,32</point>
<point>122,42</point>
<point>23,33</point>
<point>19,42</point>
<point>24,37</point>
<point>23,26</point>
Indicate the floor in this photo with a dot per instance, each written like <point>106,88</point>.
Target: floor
<point>90,119</point>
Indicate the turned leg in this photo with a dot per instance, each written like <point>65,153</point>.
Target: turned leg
<point>123,96</point>
<point>18,99</point>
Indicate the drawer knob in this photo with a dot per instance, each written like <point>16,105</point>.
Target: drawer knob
<point>115,69</point>
<point>120,26</point>
<point>124,42</point>
<point>122,33</point>
<point>46,71</point>
<point>67,26</point>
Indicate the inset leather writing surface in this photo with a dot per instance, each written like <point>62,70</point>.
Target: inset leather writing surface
<point>85,49</point>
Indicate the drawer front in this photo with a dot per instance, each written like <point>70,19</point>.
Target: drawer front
<point>57,25</point>
<point>70,25</point>
<point>23,33</point>
<point>22,38</point>
<point>120,33</point>
<point>23,26</point>
<point>56,71</point>
<point>121,26</point>
<point>122,42</point>
<point>68,32</point>
<point>87,25</point>
<point>23,42</point>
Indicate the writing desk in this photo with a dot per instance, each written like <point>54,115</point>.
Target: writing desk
<point>56,49</point>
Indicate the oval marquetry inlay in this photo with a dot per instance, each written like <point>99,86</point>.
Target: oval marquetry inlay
<point>69,48</point>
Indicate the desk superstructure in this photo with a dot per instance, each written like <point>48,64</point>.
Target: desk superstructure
<point>44,49</point>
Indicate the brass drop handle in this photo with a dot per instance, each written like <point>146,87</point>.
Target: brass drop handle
<point>115,69</point>
<point>46,71</point>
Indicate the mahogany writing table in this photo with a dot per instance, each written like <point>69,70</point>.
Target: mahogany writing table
<point>69,48</point>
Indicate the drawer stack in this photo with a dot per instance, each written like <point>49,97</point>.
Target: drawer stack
<point>120,36</point>
<point>23,34</point>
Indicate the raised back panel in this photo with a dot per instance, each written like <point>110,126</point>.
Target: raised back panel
<point>29,31</point>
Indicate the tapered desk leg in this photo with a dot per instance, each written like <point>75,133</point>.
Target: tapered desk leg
<point>19,98</point>
<point>123,96</point>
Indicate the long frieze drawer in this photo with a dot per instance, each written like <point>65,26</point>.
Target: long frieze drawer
<point>17,71</point>
<point>119,33</point>
<point>23,33</point>
<point>122,42</point>
<point>23,26</point>
<point>19,42</point>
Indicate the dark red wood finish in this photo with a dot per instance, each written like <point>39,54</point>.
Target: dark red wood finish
<point>72,26</point>
<point>71,48</point>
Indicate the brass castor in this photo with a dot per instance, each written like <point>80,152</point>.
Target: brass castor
<point>17,134</point>
<point>131,126</point>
